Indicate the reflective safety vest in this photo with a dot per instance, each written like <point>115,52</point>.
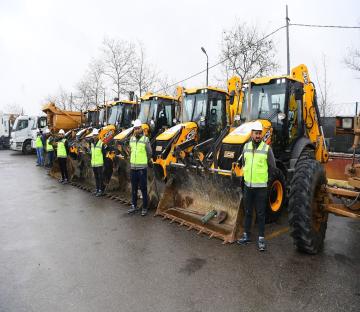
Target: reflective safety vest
<point>138,151</point>
<point>61,150</point>
<point>97,158</point>
<point>49,147</point>
<point>38,142</point>
<point>256,166</point>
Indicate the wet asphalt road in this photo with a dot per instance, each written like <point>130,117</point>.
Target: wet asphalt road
<point>63,250</point>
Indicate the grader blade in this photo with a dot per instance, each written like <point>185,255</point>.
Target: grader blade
<point>207,202</point>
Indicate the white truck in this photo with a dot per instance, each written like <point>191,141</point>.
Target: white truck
<point>6,124</point>
<point>24,131</point>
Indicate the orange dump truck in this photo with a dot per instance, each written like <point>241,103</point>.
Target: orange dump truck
<point>60,119</point>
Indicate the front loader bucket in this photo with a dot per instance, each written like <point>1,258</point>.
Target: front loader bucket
<point>119,184</point>
<point>201,200</point>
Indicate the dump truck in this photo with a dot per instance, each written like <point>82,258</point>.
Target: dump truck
<point>6,125</point>
<point>208,197</point>
<point>157,113</point>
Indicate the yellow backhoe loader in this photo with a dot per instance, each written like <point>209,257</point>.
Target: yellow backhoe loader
<point>208,197</point>
<point>157,113</point>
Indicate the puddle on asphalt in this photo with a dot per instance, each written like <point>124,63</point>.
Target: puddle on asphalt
<point>192,265</point>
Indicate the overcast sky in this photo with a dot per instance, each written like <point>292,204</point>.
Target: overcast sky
<point>45,44</point>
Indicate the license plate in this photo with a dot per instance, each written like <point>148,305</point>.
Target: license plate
<point>158,148</point>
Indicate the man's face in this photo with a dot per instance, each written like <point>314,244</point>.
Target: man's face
<point>256,136</point>
<point>137,130</point>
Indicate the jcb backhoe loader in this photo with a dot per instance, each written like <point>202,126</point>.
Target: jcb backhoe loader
<point>157,113</point>
<point>209,197</point>
<point>206,114</point>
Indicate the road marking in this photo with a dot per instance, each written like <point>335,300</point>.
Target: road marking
<point>277,233</point>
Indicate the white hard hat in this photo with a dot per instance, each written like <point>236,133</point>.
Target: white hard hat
<point>95,132</point>
<point>47,131</point>
<point>61,131</point>
<point>257,126</point>
<point>137,123</point>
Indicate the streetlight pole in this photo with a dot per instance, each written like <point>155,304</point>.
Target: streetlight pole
<point>207,66</point>
<point>287,41</point>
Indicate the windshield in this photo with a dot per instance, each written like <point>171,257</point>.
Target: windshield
<point>114,113</point>
<point>92,118</point>
<point>148,110</point>
<point>102,116</point>
<point>126,116</point>
<point>20,124</point>
<point>267,101</point>
<point>194,107</point>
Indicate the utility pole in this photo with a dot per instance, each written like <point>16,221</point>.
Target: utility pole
<point>287,41</point>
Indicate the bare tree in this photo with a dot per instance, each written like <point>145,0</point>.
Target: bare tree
<point>84,95</point>
<point>14,108</point>
<point>352,59</point>
<point>119,59</point>
<point>246,53</point>
<point>62,98</point>
<point>143,75</point>
<point>165,85</point>
<point>326,107</point>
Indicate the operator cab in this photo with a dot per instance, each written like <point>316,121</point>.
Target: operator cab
<point>280,101</point>
<point>206,107</point>
<point>157,111</point>
<point>121,113</point>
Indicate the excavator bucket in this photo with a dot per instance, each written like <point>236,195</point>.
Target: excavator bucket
<point>207,202</point>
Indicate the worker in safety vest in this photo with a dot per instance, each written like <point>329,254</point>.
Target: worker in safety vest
<point>257,158</point>
<point>140,155</point>
<point>49,148</point>
<point>97,162</point>
<point>62,153</point>
<point>39,149</point>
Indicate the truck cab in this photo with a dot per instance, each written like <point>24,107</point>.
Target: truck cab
<point>24,131</point>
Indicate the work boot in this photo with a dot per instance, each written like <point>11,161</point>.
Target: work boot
<point>61,180</point>
<point>95,192</point>
<point>132,209</point>
<point>245,239</point>
<point>65,181</point>
<point>144,212</point>
<point>99,194</point>
<point>261,244</point>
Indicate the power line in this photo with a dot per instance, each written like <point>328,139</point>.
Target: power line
<point>218,63</point>
<point>326,26</point>
<point>265,37</point>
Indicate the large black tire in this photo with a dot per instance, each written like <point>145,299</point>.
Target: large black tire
<point>27,149</point>
<point>307,219</point>
<point>277,195</point>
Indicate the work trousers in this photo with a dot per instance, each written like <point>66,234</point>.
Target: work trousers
<point>50,158</point>
<point>99,178</point>
<point>40,157</point>
<point>63,168</point>
<point>139,179</point>
<point>255,197</point>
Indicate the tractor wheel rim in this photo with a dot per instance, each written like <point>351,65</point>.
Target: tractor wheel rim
<point>276,196</point>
